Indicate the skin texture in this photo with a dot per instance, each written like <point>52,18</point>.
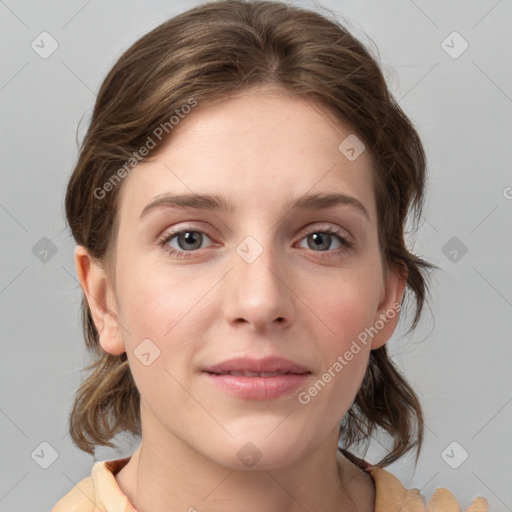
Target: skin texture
<point>259,149</point>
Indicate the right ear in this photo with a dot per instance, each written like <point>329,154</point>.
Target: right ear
<point>101,299</point>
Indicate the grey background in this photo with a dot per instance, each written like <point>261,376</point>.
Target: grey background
<point>458,359</point>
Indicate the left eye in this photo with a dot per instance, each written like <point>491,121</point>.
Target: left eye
<point>322,239</point>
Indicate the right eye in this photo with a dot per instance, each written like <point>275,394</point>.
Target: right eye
<point>184,239</point>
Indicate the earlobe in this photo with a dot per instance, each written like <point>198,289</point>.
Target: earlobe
<point>100,298</point>
<point>388,312</point>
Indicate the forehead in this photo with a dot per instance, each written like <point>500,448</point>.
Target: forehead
<point>263,147</point>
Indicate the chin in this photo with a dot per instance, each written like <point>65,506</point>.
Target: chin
<point>265,449</point>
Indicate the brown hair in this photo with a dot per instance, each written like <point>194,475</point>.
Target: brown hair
<point>208,53</point>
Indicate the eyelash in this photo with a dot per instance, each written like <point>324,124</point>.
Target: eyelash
<point>346,243</point>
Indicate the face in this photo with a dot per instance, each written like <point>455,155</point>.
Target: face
<point>244,323</point>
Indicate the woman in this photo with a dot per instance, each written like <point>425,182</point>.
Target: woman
<point>239,206</point>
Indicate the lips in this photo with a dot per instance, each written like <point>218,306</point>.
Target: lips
<point>257,379</point>
<point>249,367</point>
<point>250,374</point>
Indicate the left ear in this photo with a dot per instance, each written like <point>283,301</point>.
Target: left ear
<point>386,317</point>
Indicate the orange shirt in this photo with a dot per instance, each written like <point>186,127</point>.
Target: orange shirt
<point>100,492</point>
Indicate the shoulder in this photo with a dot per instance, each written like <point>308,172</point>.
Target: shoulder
<point>390,494</point>
<point>98,492</point>
<point>81,497</point>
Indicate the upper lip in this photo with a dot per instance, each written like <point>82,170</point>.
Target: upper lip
<point>269,364</point>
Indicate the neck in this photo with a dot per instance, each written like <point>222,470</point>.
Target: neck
<point>316,483</point>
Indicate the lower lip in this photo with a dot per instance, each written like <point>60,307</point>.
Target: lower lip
<point>258,388</point>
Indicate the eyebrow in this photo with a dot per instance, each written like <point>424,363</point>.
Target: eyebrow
<point>220,203</point>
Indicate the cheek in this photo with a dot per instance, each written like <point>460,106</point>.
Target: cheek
<point>346,349</point>
<point>345,305</point>
<point>158,314</point>
<point>165,314</point>
<point>342,353</point>
<point>150,312</point>
<point>346,308</point>
<point>155,300</point>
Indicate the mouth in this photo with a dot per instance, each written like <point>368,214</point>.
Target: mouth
<point>252,367</point>
<point>255,374</point>
<point>257,379</point>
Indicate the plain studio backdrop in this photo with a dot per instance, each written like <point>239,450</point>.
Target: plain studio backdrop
<point>448,64</point>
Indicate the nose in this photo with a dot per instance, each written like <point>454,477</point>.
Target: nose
<point>259,291</point>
